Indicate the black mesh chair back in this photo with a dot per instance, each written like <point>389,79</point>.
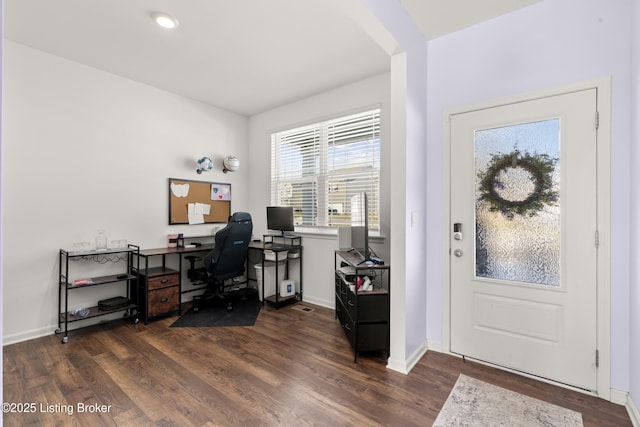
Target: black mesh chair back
<point>228,258</point>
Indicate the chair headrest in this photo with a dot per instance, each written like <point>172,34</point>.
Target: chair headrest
<point>240,217</point>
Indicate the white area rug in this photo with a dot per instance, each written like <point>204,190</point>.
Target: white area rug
<point>475,403</point>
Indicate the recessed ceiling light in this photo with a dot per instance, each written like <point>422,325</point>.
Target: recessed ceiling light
<point>164,20</point>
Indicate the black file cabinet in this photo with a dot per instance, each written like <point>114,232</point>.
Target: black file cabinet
<point>363,315</point>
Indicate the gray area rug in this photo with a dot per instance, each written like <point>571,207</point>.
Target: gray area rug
<point>475,403</point>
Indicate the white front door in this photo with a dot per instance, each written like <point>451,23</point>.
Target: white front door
<point>523,237</point>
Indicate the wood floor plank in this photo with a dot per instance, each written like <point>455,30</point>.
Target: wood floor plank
<point>103,387</point>
<point>292,368</point>
<point>177,367</point>
<point>146,386</point>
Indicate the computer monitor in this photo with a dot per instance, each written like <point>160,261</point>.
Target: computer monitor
<point>360,227</point>
<point>280,218</point>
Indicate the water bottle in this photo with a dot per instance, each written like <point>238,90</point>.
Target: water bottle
<point>101,241</point>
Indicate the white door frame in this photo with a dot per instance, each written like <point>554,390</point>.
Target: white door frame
<point>603,333</point>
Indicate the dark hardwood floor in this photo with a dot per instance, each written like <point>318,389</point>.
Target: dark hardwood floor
<point>292,368</point>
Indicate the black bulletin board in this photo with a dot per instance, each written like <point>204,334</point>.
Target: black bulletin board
<point>197,195</point>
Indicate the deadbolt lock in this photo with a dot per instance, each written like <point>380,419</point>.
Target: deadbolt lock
<point>457,231</point>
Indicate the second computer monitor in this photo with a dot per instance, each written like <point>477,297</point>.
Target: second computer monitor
<point>280,218</point>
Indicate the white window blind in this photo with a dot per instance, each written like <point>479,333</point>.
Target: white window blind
<point>318,169</point>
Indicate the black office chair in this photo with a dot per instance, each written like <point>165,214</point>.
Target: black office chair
<point>226,261</point>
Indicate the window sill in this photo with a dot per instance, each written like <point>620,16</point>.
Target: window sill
<point>332,233</point>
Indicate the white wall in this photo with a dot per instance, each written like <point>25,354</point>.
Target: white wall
<point>548,44</point>
<point>87,150</point>
<point>416,215</point>
<point>634,306</point>
<point>318,249</point>
<point>408,176</point>
<point>1,168</point>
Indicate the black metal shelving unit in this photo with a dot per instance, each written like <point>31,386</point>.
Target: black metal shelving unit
<point>274,246</point>
<point>65,285</point>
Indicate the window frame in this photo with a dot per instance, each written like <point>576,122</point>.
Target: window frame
<point>318,176</point>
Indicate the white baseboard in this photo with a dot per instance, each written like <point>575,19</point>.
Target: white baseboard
<point>405,366</point>
<point>397,365</point>
<point>320,302</point>
<point>623,398</point>
<point>28,335</point>
<point>619,397</point>
<point>435,346</point>
<point>632,409</point>
<point>417,355</point>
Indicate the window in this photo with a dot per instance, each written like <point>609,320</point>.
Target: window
<point>318,169</point>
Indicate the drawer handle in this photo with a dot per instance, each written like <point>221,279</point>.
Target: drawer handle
<point>346,326</point>
<point>164,300</point>
<point>164,281</point>
<point>350,303</point>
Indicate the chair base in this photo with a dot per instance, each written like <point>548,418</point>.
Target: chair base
<point>225,297</point>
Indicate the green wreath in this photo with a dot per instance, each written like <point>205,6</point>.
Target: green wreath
<point>540,168</point>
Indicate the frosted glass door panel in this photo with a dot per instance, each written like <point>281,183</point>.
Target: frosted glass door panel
<point>518,203</point>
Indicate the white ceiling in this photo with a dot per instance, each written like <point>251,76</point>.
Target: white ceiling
<point>436,18</point>
<point>245,56</point>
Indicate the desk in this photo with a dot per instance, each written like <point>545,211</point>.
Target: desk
<point>160,288</point>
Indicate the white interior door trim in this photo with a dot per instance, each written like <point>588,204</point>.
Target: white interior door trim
<point>603,87</point>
